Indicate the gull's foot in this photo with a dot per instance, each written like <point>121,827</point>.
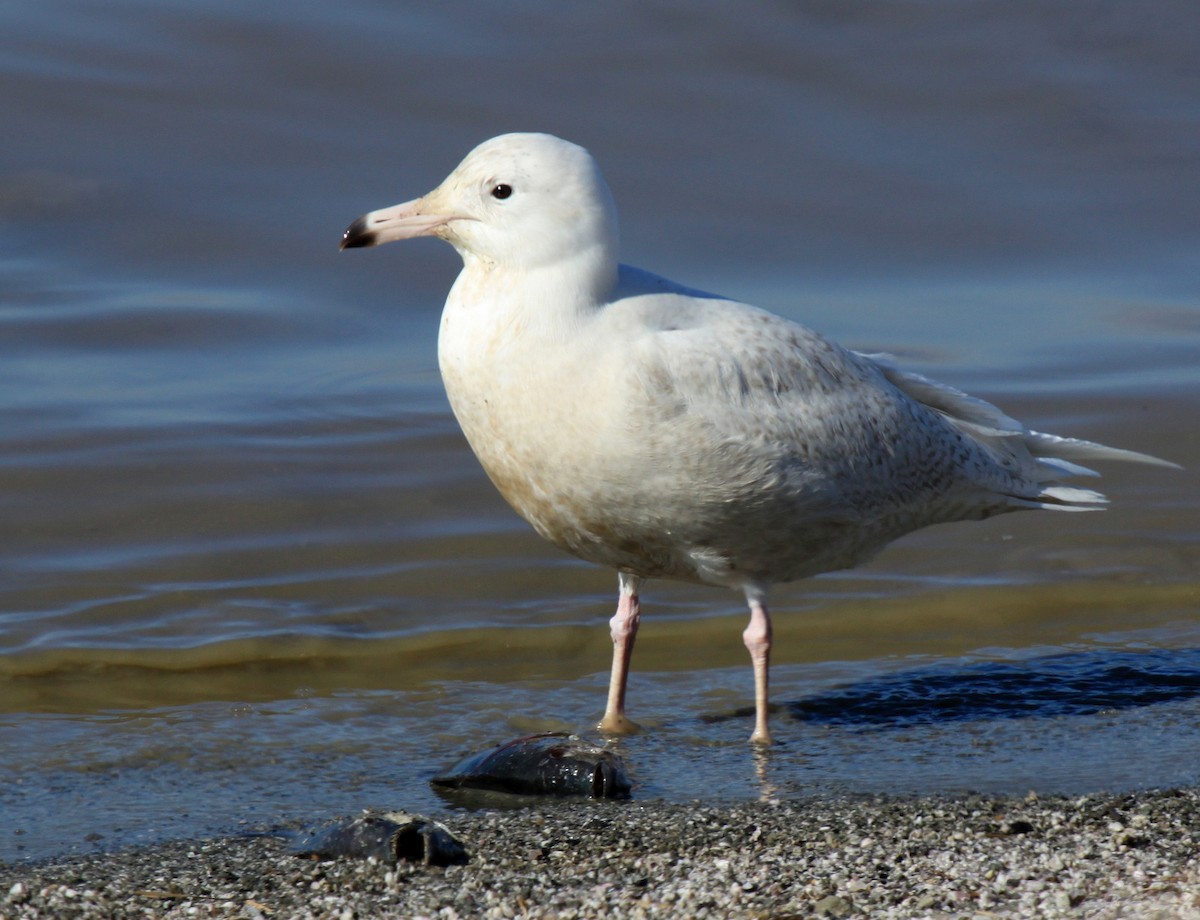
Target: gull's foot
<point>761,737</point>
<point>618,725</point>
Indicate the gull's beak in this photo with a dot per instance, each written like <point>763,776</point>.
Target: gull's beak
<point>421,217</point>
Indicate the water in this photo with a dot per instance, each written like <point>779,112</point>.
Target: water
<point>250,569</point>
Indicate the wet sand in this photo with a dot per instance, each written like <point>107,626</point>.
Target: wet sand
<point>1130,855</point>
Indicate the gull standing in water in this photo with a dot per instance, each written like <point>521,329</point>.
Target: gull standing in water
<point>670,433</point>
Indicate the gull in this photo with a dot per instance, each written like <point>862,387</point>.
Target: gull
<point>670,433</point>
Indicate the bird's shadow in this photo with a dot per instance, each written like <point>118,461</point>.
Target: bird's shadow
<point>1050,686</point>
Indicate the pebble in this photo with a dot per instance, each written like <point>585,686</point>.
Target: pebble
<point>880,857</point>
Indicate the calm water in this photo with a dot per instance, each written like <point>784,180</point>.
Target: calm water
<point>250,570</point>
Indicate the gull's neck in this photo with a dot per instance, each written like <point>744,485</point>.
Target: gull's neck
<point>550,300</point>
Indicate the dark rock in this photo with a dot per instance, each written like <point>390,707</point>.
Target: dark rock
<point>552,764</point>
<point>389,837</point>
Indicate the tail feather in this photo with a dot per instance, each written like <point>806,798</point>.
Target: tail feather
<point>1056,467</point>
<point>1052,452</point>
<point>1044,459</point>
<point>1041,444</point>
<point>1070,498</point>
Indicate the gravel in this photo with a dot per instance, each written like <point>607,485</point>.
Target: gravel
<point>1095,856</point>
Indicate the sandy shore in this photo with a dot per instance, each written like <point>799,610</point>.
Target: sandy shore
<point>1108,856</point>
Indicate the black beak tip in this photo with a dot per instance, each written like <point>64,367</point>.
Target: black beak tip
<point>357,236</point>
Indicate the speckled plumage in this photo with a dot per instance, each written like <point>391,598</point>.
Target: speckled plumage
<point>666,432</point>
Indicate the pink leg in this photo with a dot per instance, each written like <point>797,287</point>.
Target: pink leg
<point>758,642</point>
<point>624,625</point>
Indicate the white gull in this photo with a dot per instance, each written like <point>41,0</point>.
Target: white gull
<point>667,432</point>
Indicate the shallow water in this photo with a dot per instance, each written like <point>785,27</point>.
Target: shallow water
<point>250,569</point>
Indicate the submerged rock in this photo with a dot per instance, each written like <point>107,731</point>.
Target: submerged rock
<point>553,764</point>
<point>388,836</point>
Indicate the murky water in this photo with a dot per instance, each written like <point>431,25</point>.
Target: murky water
<point>251,570</point>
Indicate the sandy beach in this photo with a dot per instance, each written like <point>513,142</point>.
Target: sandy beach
<point>1108,856</point>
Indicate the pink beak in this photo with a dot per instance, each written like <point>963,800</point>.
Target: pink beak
<point>399,222</point>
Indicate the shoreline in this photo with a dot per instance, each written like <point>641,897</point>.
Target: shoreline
<point>1098,855</point>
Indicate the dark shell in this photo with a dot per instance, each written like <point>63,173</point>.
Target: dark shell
<point>554,763</point>
<point>389,837</point>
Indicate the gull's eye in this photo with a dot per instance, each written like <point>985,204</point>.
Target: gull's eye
<point>501,190</point>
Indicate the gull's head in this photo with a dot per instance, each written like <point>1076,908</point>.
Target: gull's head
<point>518,200</point>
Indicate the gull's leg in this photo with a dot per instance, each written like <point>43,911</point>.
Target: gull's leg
<point>624,625</point>
<point>758,642</point>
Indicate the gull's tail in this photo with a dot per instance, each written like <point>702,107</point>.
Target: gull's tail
<point>1042,460</point>
<point>1054,458</point>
